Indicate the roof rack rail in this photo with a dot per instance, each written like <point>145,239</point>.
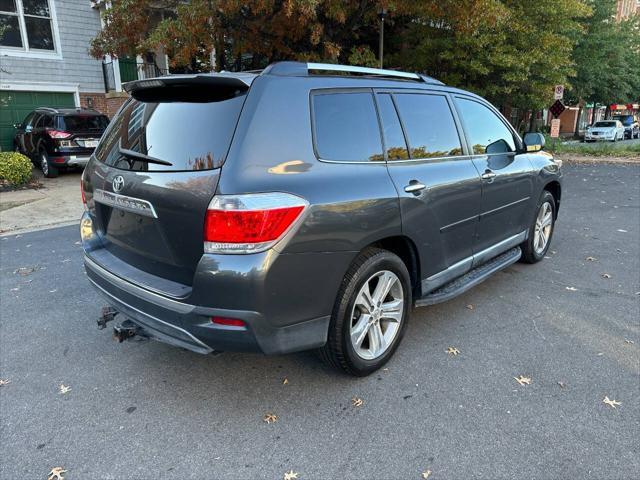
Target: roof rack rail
<point>50,109</point>
<point>303,69</point>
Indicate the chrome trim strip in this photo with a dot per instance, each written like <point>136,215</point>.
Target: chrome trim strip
<point>495,210</point>
<point>133,289</point>
<point>151,318</point>
<point>123,202</point>
<point>463,266</point>
<point>457,223</point>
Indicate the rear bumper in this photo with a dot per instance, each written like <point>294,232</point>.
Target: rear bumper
<point>282,314</point>
<point>70,160</point>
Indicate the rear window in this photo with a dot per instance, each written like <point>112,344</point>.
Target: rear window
<point>346,127</point>
<point>82,123</point>
<point>189,136</point>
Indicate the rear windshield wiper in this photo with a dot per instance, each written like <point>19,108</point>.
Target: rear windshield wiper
<point>143,158</point>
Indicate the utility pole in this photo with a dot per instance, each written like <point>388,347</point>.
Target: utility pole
<point>381,14</point>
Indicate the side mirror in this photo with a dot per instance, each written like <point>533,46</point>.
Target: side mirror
<point>533,142</point>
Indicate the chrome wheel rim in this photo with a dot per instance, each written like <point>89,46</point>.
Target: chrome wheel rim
<point>44,164</point>
<point>544,225</point>
<point>376,315</point>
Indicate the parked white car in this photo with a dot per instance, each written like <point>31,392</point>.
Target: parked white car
<point>611,130</point>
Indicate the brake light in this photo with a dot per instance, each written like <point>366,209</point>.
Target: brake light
<point>250,223</point>
<point>53,133</point>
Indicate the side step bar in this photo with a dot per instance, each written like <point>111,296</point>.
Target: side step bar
<point>470,279</point>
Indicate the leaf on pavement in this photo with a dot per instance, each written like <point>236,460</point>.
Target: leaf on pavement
<point>606,275</point>
<point>470,307</point>
<point>4,382</point>
<point>562,384</point>
<point>591,259</point>
<point>611,403</point>
<point>64,389</point>
<point>25,270</point>
<point>285,381</point>
<point>270,418</point>
<point>426,474</point>
<point>522,380</point>
<point>572,289</point>
<point>630,342</point>
<point>357,402</point>
<point>452,351</point>
<point>56,473</point>
<point>290,475</point>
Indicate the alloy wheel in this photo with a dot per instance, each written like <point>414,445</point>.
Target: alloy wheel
<point>376,315</point>
<point>544,225</point>
<point>44,164</point>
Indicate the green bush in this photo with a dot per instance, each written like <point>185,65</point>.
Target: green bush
<point>15,168</point>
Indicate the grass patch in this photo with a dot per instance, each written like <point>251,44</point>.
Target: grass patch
<point>597,149</point>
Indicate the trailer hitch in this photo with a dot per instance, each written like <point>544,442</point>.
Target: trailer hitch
<point>106,315</point>
<point>124,330</point>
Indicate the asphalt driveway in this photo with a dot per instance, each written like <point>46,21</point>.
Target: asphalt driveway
<point>143,410</point>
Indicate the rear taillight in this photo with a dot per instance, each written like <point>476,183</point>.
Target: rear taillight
<point>53,133</point>
<point>84,200</point>
<point>250,223</point>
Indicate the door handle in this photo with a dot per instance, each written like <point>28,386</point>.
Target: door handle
<point>414,187</point>
<point>488,175</point>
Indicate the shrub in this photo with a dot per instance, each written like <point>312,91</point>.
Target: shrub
<point>15,168</point>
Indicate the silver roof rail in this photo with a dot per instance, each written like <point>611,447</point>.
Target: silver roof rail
<point>303,69</point>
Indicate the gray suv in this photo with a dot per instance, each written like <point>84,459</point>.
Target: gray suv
<point>307,206</point>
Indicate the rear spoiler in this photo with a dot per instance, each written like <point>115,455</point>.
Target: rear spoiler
<point>207,87</point>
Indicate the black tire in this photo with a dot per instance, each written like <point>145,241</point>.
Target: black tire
<point>48,170</point>
<point>339,351</point>
<point>529,252</point>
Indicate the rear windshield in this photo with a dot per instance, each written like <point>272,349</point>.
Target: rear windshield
<point>605,124</point>
<point>189,136</point>
<point>82,123</point>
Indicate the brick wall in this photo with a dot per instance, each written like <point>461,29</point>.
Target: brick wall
<point>104,103</point>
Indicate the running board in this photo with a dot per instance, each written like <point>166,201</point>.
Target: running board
<point>471,278</point>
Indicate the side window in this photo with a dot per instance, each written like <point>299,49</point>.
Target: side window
<point>47,121</point>
<point>429,125</point>
<point>487,133</point>
<point>36,120</point>
<point>346,127</point>
<point>28,119</point>
<point>394,141</point>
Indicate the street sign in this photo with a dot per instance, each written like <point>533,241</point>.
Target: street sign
<point>557,108</point>
<point>558,93</point>
<point>555,128</point>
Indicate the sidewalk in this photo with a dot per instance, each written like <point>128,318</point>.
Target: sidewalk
<point>57,203</point>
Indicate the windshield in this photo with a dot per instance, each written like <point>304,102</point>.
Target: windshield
<point>82,123</point>
<point>604,124</point>
<point>625,119</point>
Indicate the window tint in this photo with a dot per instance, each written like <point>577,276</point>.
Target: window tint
<point>487,133</point>
<point>394,141</point>
<point>78,123</point>
<point>46,121</point>
<point>191,136</point>
<point>429,125</point>
<point>346,127</point>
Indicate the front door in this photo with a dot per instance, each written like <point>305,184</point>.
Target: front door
<point>506,172</point>
<point>438,185</point>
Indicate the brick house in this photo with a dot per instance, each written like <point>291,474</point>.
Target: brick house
<point>45,61</point>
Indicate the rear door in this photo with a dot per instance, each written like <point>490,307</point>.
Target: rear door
<point>506,172</point>
<point>154,174</point>
<point>437,182</point>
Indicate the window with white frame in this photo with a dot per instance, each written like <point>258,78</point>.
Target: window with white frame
<point>26,25</point>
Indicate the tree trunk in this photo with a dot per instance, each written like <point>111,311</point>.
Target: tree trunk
<point>576,133</point>
<point>532,121</point>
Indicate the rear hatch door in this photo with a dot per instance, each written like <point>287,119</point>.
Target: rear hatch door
<point>156,170</point>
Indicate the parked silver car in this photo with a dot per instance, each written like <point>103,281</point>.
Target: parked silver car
<point>611,130</point>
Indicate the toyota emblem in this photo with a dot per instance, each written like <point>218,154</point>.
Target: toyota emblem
<point>118,183</point>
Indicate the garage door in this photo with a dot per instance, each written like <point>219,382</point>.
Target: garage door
<point>17,105</point>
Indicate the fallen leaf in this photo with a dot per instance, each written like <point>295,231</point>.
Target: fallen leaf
<point>426,474</point>
<point>25,270</point>
<point>452,351</point>
<point>591,259</point>
<point>606,275</point>
<point>470,307</point>
<point>4,382</point>
<point>562,384</point>
<point>357,402</point>
<point>572,289</point>
<point>630,342</point>
<point>56,473</point>
<point>270,418</point>
<point>611,403</point>
<point>64,389</point>
<point>285,381</point>
<point>522,380</point>
<point>290,475</point>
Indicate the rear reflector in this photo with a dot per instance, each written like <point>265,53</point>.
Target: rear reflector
<point>250,223</point>
<point>228,322</point>
<point>57,159</point>
<point>84,200</point>
<point>57,133</point>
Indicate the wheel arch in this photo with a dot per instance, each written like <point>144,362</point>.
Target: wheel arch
<point>405,248</point>
<point>555,189</point>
